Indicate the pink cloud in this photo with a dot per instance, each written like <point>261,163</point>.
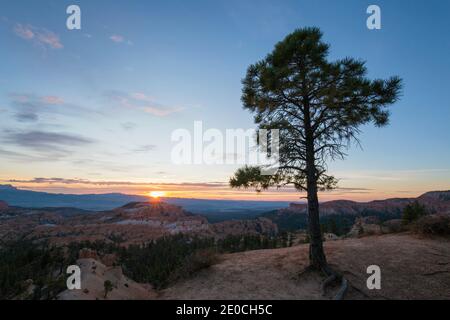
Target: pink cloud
<point>117,38</point>
<point>52,100</point>
<point>24,32</point>
<point>141,97</point>
<point>39,36</point>
<point>160,112</point>
<point>145,103</point>
<point>50,39</point>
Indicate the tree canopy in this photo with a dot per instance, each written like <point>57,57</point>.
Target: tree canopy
<point>318,105</point>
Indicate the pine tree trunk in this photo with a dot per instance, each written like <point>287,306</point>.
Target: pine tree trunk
<point>316,254</point>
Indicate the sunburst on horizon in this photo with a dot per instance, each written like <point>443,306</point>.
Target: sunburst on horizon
<point>156,194</point>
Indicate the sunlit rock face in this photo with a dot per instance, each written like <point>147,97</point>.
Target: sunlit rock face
<point>134,223</point>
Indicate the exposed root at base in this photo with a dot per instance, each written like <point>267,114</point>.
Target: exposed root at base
<point>333,277</point>
<point>342,290</point>
<point>306,270</point>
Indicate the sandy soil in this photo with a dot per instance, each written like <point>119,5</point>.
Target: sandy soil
<point>411,268</point>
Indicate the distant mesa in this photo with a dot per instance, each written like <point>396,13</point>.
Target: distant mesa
<point>436,195</point>
<point>7,187</point>
<point>438,201</point>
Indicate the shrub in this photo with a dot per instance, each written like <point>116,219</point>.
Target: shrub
<point>436,224</point>
<point>412,212</point>
<point>199,260</point>
<point>108,287</point>
<point>393,226</point>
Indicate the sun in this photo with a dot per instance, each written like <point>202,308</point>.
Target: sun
<point>157,194</point>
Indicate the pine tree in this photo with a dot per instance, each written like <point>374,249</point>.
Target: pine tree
<point>318,106</point>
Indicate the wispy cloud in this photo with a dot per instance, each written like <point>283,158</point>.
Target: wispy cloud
<point>39,36</point>
<point>27,106</point>
<point>142,102</point>
<point>53,100</point>
<point>353,190</point>
<point>24,32</point>
<point>117,38</point>
<point>48,143</point>
<point>28,157</point>
<point>26,116</point>
<point>115,183</point>
<point>17,156</point>
<point>145,148</point>
<point>388,175</point>
<point>128,125</point>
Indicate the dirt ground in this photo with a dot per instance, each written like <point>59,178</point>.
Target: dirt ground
<point>411,268</point>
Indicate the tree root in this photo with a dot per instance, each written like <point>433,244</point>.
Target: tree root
<point>342,290</point>
<point>304,271</point>
<point>360,291</point>
<point>333,277</point>
<point>436,272</point>
<point>328,281</point>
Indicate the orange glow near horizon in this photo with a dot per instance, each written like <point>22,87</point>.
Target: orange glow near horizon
<point>157,194</point>
<point>224,192</point>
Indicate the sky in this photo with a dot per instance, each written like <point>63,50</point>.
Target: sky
<point>93,110</point>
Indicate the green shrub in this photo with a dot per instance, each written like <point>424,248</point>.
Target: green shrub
<point>108,286</point>
<point>412,212</point>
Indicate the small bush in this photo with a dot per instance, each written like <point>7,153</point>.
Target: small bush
<point>199,260</point>
<point>436,224</point>
<point>393,226</point>
<point>412,212</point>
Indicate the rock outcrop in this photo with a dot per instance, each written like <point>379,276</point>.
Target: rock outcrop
<point>93,277</point>
<point>366,226</point>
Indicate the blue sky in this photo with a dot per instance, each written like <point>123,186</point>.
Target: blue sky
<point>100,103</point>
